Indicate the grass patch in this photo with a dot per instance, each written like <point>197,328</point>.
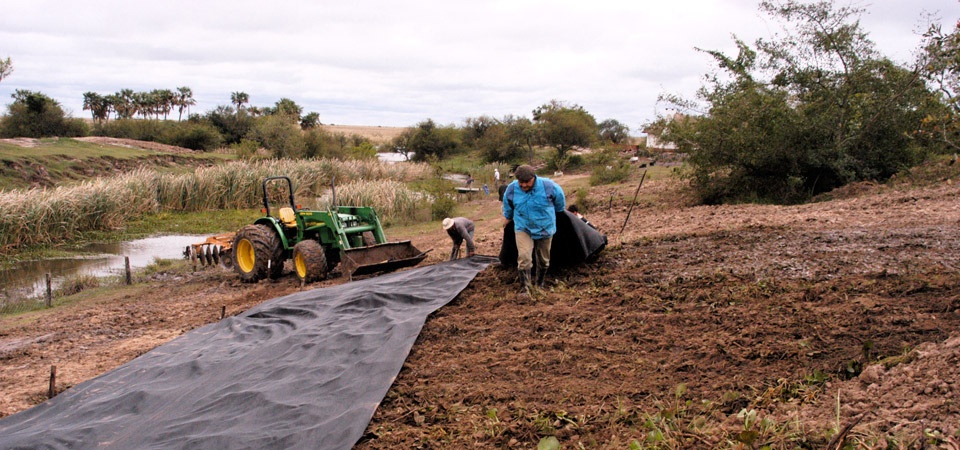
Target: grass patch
<point>60,160</point>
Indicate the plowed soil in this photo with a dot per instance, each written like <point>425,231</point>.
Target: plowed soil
<point>697,327</point>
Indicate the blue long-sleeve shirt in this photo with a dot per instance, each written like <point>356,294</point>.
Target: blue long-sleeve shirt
<point>534,212</point>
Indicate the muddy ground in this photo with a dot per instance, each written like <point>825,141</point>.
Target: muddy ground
<point>698,327</point>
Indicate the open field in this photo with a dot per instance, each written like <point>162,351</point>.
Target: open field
<point>377,135</point>
<point>698,327</point>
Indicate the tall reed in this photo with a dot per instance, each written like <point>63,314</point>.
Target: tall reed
<point>38,216</point>
<point>393,200</point>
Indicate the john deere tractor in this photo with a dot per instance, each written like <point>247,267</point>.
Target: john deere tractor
<point>316,241</point>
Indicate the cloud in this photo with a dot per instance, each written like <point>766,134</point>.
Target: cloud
<point>377,62</point>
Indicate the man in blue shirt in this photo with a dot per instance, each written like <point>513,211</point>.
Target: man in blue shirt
<point>532,203</point>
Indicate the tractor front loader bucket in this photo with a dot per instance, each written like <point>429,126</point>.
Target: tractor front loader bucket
<point>381,258</point>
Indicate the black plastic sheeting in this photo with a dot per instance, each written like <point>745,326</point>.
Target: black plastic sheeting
<point>306,370</point>
<point>574,243</point>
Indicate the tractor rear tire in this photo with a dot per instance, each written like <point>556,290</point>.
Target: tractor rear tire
<point>309,261</point>
<point>258,253</point>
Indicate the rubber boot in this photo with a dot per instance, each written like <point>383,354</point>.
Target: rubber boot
<point>541,276</point>
<point>525,282</point>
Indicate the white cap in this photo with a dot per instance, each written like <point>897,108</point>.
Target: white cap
<point>447,223</point>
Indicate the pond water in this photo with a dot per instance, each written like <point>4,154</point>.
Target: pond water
<point>28,278</point>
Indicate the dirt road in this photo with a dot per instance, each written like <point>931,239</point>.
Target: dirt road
<point>690,320</point>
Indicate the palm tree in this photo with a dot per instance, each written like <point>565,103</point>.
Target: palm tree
<point>124,104</point>
<point>239,98</point>
<point>98,105</point>
<point>164,102</point>
<point>184,100</point>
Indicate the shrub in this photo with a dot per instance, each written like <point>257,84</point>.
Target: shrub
<point>278,135</point>
<point>193,135</point>
<point>614,172</point>
<point>77,284</point>
<point>35,115</point>
<point>443,206</point>
<point>142,130</point>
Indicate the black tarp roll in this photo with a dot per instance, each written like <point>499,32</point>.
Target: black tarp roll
<point>306,370</point>
<point>574,243</point>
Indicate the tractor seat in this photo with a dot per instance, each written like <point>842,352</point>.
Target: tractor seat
<point>288,217</point>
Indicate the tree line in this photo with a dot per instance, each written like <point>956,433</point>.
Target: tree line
<point>559,125</point>
<point>127,103</point>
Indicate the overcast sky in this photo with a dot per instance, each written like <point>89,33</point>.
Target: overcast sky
<point>395,63</point>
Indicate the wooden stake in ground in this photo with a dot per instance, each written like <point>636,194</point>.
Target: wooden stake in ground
<point>53,382</point>
<point>635,194</point>
<point>49,291</point>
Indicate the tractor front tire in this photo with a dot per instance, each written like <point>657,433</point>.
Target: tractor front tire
<point>258,253</point>
<point>310,261</point>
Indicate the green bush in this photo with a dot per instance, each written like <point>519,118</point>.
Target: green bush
<point>443,206</point>
<point>35,115</point>
<point>193,135</point>
<point>278,135</point>
<point>245,149</point>
<point>614,172</point>
<point>142,130</point>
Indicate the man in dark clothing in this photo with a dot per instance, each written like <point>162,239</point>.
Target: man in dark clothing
<point>460,229</point>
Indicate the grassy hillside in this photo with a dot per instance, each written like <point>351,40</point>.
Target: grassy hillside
<point>37,163</point>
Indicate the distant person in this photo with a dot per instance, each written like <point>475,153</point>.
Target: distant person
<point>532,204</point>
<point>496,176</point>
<point>469,180</point>
<point>460,229</point>
<point>576,211</point>
<point>486,190</point>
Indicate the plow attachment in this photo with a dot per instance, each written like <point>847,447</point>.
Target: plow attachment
<point>215,250</point>
<point>381,258</point>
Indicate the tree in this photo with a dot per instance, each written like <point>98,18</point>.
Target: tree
<point>165,100</point>
<point>429,141</point>
<point>941,61</point>
<point>231,125</point>
<point>508,139</point>
<point>124,104</point>
<point>475,127</point>
<point>288,109</point>
<point>311,120</point>
<point>183,100</point>
<point>613,131</point>
<point>239,98</point>
<point>6,68</point>
<point>793,117</point>
<point>33,114</point>
<point>98,105</point>
<point>564,126</point>
<point>276,134</point>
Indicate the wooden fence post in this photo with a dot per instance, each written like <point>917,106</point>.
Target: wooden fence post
<point>126,268</point>
<point>53,382</point>
<point>49,291</point>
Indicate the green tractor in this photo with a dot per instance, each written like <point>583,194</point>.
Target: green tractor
<point>316,241</point>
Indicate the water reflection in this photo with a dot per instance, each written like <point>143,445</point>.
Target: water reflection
<point>28,279</point>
